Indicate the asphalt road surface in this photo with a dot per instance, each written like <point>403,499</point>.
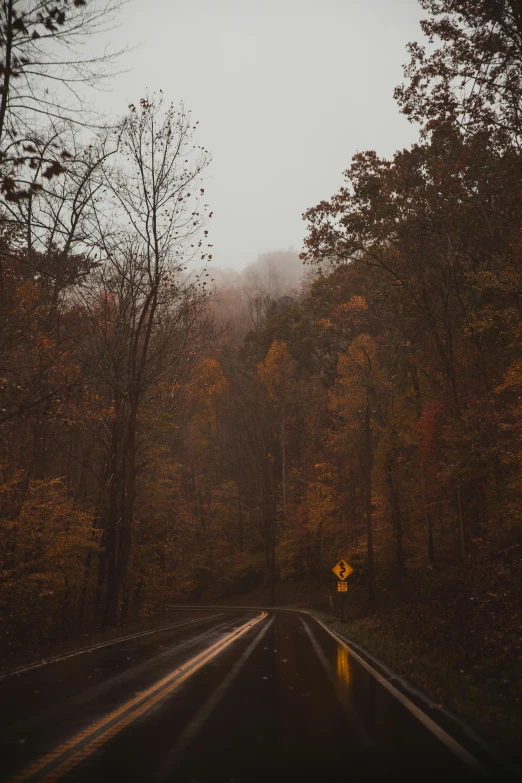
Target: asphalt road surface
<point>241,696</point>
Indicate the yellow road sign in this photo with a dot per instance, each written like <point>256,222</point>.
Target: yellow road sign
<point>342,570</point>
<point>342,587</point>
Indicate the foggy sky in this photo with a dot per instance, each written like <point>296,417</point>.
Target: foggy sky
<point>285,91</point>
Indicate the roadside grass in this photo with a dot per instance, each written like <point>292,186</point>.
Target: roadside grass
<point>491,714</point>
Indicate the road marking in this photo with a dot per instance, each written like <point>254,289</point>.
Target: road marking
<point>77,748</point>
<point>192,728</point>
<point>426,721</point>
<point>82,650</point>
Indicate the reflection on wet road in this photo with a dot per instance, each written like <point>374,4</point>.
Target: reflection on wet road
<point>343,666</point>
<point>239,697</point>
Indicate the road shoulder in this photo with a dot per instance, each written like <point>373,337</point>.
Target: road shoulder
<point>456,726</point>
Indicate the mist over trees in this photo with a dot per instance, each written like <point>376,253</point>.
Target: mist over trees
<point>243,297</point>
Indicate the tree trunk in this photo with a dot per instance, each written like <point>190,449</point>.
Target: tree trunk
<point>397,527</point>
<point>427,520</point>
<point>85,582</point>
<point>7,66</point>
<point>128,494</point>
<point>273,564</point>
<point>369,522</point>
<point>284,465</point>
<point>321,554</point>
<point>138,592</point>
<point>241,523</point>
<point>427,517</point>
<point>461,523</point>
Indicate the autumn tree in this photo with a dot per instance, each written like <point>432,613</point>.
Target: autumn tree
<point>144,303</point>
<point>472,74</point>
<point>42,69</point>
<point>277,374</point>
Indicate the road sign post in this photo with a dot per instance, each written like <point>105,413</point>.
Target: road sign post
<point>342,587</point>
<point>342,570</point>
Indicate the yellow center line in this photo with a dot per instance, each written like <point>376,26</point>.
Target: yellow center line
<point>118,719</point>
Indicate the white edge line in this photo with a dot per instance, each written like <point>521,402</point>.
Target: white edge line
<point>84,650</point>
<point>430,724</point>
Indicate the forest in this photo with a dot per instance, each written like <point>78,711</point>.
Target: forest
<point>169,434</point>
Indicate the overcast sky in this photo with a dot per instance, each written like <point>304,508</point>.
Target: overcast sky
<point>286,91</point>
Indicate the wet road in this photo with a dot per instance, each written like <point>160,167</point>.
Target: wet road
<point>242,696</point>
